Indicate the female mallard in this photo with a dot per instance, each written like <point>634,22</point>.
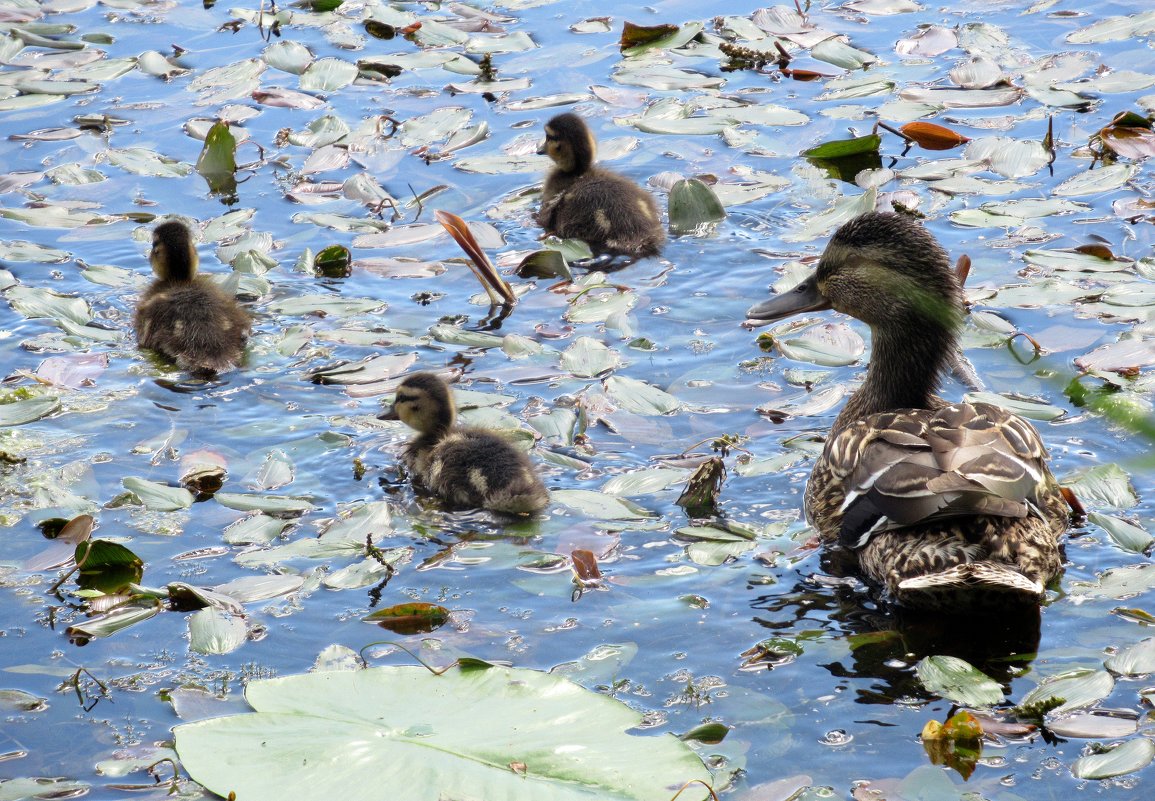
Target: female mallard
<point>186,317</point>
<point>611,213</point>
<point>945,505</point>
<point>466,467</point>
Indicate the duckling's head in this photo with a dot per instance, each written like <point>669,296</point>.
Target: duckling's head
<point>570,143</point>
<point>882,268</point>
<point>424,403</point>
<point>173,255</point>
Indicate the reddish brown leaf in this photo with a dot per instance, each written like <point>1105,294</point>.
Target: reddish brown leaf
<point>1097,250</point>
<point>930,136</point>
<point>585,566</point>
<point>634,35</point>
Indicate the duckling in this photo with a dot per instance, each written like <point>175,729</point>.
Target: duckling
<point>185,317</point>
<point>580,201</point>
<point>947,506</point>
<point>466,467</point>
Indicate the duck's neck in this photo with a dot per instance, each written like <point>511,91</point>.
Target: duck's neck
<point>903,374</point>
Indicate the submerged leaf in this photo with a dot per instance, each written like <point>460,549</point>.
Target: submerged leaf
<point>693,207</point>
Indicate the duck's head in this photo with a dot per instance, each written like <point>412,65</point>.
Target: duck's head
<point>174,254</point>
<point>884,269</point>
<point>570,143</point>
<point>424,403</point>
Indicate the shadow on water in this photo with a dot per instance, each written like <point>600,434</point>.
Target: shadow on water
<point>884,645</point>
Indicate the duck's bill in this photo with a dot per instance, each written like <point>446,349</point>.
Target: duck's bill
<point>389,414</point>
<point>803,298</point>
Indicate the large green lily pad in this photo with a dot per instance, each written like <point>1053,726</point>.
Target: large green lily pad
<point>485,733</point>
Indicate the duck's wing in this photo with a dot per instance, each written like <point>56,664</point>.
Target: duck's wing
<point>913,466</point>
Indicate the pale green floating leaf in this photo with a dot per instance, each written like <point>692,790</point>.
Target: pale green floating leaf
<point>21,250</point>
<point>1120,583</point>
<point>452,335</point>
<point>963,98</point>
<point>435,126</point>
<point>141,161</point>
<point>55,88</point>
<point>74,175</point>
<point>858,85</point>
<point>957,680</point>
<point>510,42</point>
<point>589,358</point>
<point>25,102</point>
<point>1137,660</point>
<point>1010,158</point>
<point>326,306</point>
<point>1024,407</point>
<point>829,345</point>
<point>1076,261</point>
<point>158,497</point>
<point>213,631</point>
<point>1114,29</point>
<point>327,75</point>
<point>694,208</point>
<point>155,64</point>
<point>33,301</point>
<point>109,623</point>
<point>1095,182</point>
<point>599,505</point>
<point>55,217</point>
<point>1080,688</point>
<point>288,56</point>
<point>365,573</point>
<point>812,226</point>
<point>1128,757</point>
<point>1126,354</point>
<point>639,397</point>
<point>1106,485</point>
<point>26,411</point>
<point>1126,535</point>
<point>574,740</point>
<point>660,76</point>
<point>256,529</point>
<point>597,306</point>
<point>549,101</point>
<point>269,504</point>
<point>644,482</point>
<point>838,52</point>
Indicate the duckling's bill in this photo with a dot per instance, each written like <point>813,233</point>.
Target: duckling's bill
<point>806,297</point>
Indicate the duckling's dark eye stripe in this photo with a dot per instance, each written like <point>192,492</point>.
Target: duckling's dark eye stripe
<point>404,398</point>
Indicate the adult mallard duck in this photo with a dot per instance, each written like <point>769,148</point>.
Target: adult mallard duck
<point>185,317</point>
<point>611,213</point>
<point>945,505</point>
<point>466,467</point>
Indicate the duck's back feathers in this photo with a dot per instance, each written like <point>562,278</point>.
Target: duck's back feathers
<point>194,323</point>
<point>470,468</point>
<point>606,210</point>
<point>940,502</point>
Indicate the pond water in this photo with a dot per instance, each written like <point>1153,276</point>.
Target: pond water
<point>839,711</point>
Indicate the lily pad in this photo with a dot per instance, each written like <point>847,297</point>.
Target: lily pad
<point>958,681</point>
<point>571,744</point>
<point>1126,758</point>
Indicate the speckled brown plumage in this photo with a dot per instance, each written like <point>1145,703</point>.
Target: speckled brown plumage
<point>186,317</point>
<point>611,213</point>
<point>946,506</point>
<point>466,467</point>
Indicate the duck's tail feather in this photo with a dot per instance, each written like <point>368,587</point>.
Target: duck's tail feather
<point>970,586</point>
